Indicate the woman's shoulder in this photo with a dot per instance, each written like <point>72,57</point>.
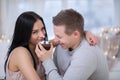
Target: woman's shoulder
<point>20,52</point>
<point>20,49</point>
<point>18,57</point>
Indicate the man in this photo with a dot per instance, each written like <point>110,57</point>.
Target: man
<point>74,58</point>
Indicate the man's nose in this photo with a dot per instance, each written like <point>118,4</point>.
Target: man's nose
<point>56,40</point>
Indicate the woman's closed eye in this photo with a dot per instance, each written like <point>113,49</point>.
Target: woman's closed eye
<point>35,32</point>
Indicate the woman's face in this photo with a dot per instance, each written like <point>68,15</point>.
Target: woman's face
<point>38,33</point>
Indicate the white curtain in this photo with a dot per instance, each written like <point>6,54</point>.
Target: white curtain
<point>94,18</point>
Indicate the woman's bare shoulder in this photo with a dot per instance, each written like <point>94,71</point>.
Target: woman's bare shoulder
<point>20,49</point>
<point>20,55</point>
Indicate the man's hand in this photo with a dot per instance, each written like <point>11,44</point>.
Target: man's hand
<point>91,38</point>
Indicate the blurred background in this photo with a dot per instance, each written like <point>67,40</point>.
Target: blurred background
<point>102,17</point>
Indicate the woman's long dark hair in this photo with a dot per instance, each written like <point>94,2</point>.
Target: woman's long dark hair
<point>23,31</point>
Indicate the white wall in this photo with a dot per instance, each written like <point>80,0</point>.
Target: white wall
<point>117,11</point>
<point>3,17</point>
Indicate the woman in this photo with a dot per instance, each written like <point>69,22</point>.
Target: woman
<point>22,62</point>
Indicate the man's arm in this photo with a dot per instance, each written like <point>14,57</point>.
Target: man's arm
<point>82,66</point>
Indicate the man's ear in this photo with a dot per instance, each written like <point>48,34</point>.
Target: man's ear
<point>76,33</point>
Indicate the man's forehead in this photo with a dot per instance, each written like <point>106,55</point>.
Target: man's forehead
<point>59,27</point>
<point>59,30</point>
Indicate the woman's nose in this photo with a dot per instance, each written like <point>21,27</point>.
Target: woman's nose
<point>41,34</point>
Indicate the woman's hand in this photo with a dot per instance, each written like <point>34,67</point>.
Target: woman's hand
<point>42,53</point>
<point>91,38</point>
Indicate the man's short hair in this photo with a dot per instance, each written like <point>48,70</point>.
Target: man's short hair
<point>71,19</point>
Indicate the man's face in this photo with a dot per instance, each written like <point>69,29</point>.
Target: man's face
<point>66,41</point>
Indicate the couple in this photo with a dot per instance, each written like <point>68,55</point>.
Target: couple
<point>74,58</point>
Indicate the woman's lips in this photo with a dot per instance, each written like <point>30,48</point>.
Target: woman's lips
<point>40,40</point>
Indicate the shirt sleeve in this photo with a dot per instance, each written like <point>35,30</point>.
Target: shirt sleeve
<point>82,65</point>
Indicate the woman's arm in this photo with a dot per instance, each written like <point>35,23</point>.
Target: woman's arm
<point>24,63</point>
